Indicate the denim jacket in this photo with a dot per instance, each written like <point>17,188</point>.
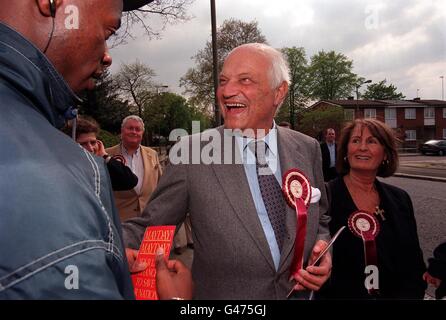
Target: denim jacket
<point>60,236</point>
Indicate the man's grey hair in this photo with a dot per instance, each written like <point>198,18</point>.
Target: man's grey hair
<point>280,70</point>
<point>132,117</point>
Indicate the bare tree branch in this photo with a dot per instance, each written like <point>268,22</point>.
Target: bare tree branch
<point>153,18</point>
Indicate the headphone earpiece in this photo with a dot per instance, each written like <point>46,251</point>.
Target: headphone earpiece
<point>52,8</point>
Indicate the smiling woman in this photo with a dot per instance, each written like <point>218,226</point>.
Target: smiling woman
<point>380,258</point>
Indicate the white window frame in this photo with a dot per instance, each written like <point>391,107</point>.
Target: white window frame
<point>408,113</point>
<point>369,113</point>
<point>411,135</point>
<point>387,114</point>
<point>349,114</point>
<point>429,113</point>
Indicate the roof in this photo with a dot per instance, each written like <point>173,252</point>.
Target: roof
<point>350,103</point>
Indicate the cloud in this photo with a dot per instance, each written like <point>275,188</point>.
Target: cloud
<point>403,41</point>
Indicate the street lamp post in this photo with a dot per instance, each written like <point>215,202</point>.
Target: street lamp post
<point>215,62</point>
<point>442,87</point>
<point>158,87</point>
<point>357,95</point>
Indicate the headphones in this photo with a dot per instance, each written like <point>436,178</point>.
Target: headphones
<point>52,8</point>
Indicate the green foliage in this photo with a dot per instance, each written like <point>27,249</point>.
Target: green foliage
<point>170,111</point>
<point>104,105</point>
<point>298,92</point>
<point>381,91</point>
<point>316,120</point>
<point>198,81</point>
<point>108,138</point>
<point>331,76</point>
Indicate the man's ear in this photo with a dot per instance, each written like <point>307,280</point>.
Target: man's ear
<point>281,93</point>
<point>47,9</point>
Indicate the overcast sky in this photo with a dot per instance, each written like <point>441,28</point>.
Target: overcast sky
<point>403,41</point>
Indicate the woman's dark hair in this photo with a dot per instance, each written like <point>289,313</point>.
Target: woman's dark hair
<point>382,133</point>
<point>83,125</point>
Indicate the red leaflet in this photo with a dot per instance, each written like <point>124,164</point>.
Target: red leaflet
<point>144,283</point>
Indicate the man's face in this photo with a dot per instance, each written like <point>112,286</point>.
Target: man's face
<point>88,141</point>
<point>81,54</point>
<point>246,98</point>
<point>331,136</point>
<point>131,133</point>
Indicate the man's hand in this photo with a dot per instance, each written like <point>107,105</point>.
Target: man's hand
<point>131,259</point>
<point>173,279</point>
<point>313,277</point>
<point>431,280</point>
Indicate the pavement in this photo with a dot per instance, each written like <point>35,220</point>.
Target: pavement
<point>427,168</point>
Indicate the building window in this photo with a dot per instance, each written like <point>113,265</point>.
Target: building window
<point>349,114</point>
<point>444,113</point>
<point>410,113</point>
<point>411,135</point>
<point>444,133</point>
<point>390,113</point>
<point>429,113</point>
<point>390,117</point>
<point>370,113</point>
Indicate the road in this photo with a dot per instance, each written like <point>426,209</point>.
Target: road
<point>429,201</point>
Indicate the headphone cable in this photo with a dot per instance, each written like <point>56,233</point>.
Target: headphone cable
<point>51,37</point>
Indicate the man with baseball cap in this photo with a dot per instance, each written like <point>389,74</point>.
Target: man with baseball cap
<point>59,230</point>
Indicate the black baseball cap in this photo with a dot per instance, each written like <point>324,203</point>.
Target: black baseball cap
<point>130,5</point>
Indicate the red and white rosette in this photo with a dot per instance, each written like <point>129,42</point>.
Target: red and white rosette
<point>297,191</point>
<point>366,226</point>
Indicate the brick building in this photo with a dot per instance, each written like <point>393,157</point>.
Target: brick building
<point>414,120</point>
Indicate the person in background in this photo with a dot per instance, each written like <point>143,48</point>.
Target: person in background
<point>122,178</point>
<point>328,150</point>
<point>144,163</point>
<point>368,150</point>
<point>436,271</point>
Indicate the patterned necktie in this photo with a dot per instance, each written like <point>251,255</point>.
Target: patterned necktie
<point>271,192</point>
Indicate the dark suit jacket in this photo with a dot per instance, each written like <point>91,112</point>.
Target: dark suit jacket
<point>400,259</point>
<point>329,173</point>
<point>232,259</point>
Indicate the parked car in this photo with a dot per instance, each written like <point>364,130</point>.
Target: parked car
<point>434,146</point>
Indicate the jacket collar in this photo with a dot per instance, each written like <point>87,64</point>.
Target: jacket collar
<point>30,72</point>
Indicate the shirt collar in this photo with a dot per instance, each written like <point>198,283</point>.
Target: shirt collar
<point>270,140</point>
<point>124,150</point>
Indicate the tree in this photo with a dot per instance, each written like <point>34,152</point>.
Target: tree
<point>298,89</point>
<point>331,76</point>
<point>381,91</point>
<point>316,120</point>
<point>134,83</point>
<point>104,105</point>
<point>198,81</point>
<point>159,13</point>
<point>170,111</point>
